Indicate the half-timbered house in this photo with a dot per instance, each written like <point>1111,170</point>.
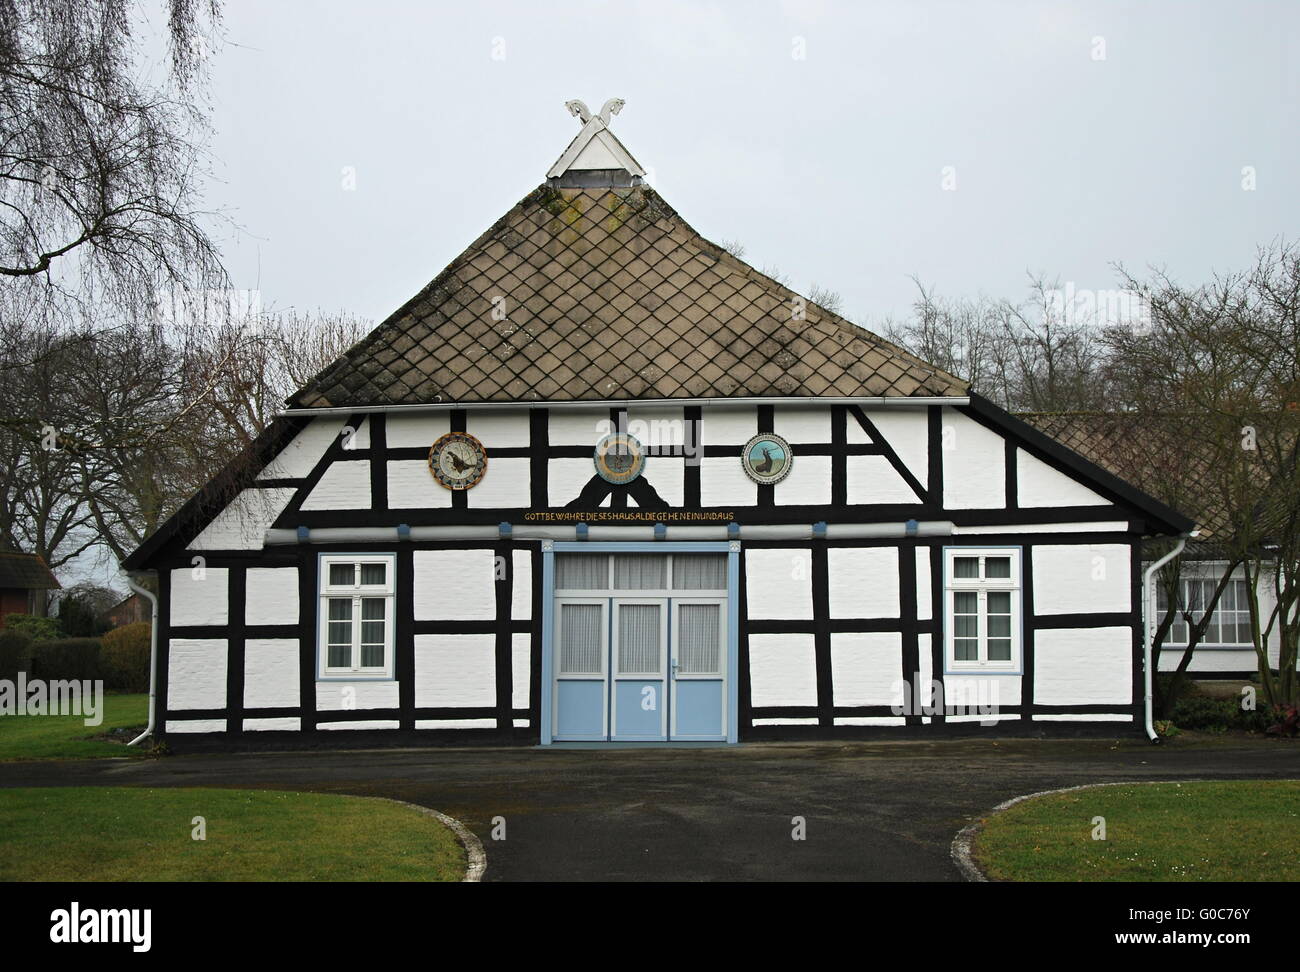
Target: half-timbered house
<point>602,481</point>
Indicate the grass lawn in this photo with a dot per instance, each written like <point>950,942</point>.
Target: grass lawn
<point>138,834</point>
<point>1232,831</point>
<point>68,737</point>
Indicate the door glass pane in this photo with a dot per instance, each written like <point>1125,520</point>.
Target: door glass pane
<point>966,567</point>
<point>638,639</point>
<point>699,649</point>
<point>700,572</point>
<point>640,572</point>
<point>580,639</point>
<point>581,572</point>
<point>342,575</point>
<point>373,573</point>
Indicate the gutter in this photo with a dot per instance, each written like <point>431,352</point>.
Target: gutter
<point>1148,676</point>
<point>636,403</point>
<point>583,531</point>
<point>153,656</point>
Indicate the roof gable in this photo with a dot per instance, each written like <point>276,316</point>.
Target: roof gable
<point>605,293</point>
<point>25,571</point>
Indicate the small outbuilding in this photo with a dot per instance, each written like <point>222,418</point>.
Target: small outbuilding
<point>24,579</point>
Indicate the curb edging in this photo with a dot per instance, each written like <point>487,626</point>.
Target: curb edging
<point>475,856</point>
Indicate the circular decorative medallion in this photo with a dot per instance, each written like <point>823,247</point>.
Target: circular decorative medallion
<point>619,458</point>
<point>458,460</point>
<point>766,458</point>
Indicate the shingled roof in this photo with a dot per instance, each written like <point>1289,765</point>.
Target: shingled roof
<point>605,293</point>
<point>25,571</point>
<point>1162,455</point>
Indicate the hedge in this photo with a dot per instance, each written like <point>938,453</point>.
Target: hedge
<point>67,658</point>
<point>125,657</point>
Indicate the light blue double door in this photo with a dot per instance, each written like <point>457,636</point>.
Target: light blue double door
<point>640,669</point>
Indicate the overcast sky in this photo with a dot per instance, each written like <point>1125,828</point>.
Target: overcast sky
<point>1078,134</point>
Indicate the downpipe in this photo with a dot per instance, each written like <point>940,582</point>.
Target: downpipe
<point>153,656</point>
<point>1148,676</point>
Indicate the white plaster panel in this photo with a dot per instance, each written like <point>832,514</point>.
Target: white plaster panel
<point>723,482</point>
<point>243,523</point>
<point>870,721</point>
<point>199,600</point>
<point>800,721</point>
<point>360,439</point>
<point>871,479</point>
<point>1081,578</point>
<point>411,486</point>
<point>808,484</point>
<point>1083,717</point>
<point>565,479</point>
<point>577,426</point>
<point>1083,666</point>
<point>345,486</point>
<point>498,428</point>
<point>982,690</point>
<point>455,670</point>
<point>779,583</point>
<point>196,725</point>
<point>795,425</point>
<point>863,582</point>
<point>455,585</point>
<point>271,596</point>
<point>924,593</point>
<point>867,667</point>
<point>974,464</point>
<point>337,696</point>
<point>521,594</point>
<point>455,723</point>
<point>271,672</point>
<point>521,655</point>
<point>300,456</point>
<point>728,426</point>
<point>657,427</point>
<point>196,673</point>
<point>1038,484</point>
<point>854,433</point>
<point>416,430</point>
<point>924,663</point>
<point>667,474</point>
<point>1100,526</point>
<point>782,669</point>
<point>290,724</point>
<point>907,430</point>
<point>503,486</point>
<point>359,725</point>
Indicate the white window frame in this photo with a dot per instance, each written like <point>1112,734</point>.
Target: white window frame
<point>1200,574</point>
<point>356,591</point>
<point>982,586</point>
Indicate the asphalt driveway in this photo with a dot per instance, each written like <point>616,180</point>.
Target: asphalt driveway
<point>883,810</point>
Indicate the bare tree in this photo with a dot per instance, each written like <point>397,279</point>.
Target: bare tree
<point>99,165</point>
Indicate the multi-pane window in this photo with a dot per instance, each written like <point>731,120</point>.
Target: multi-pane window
<point>625,573</point>
<point>356,630</point>
<point>982,595</point>
<point>1230,621</point>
